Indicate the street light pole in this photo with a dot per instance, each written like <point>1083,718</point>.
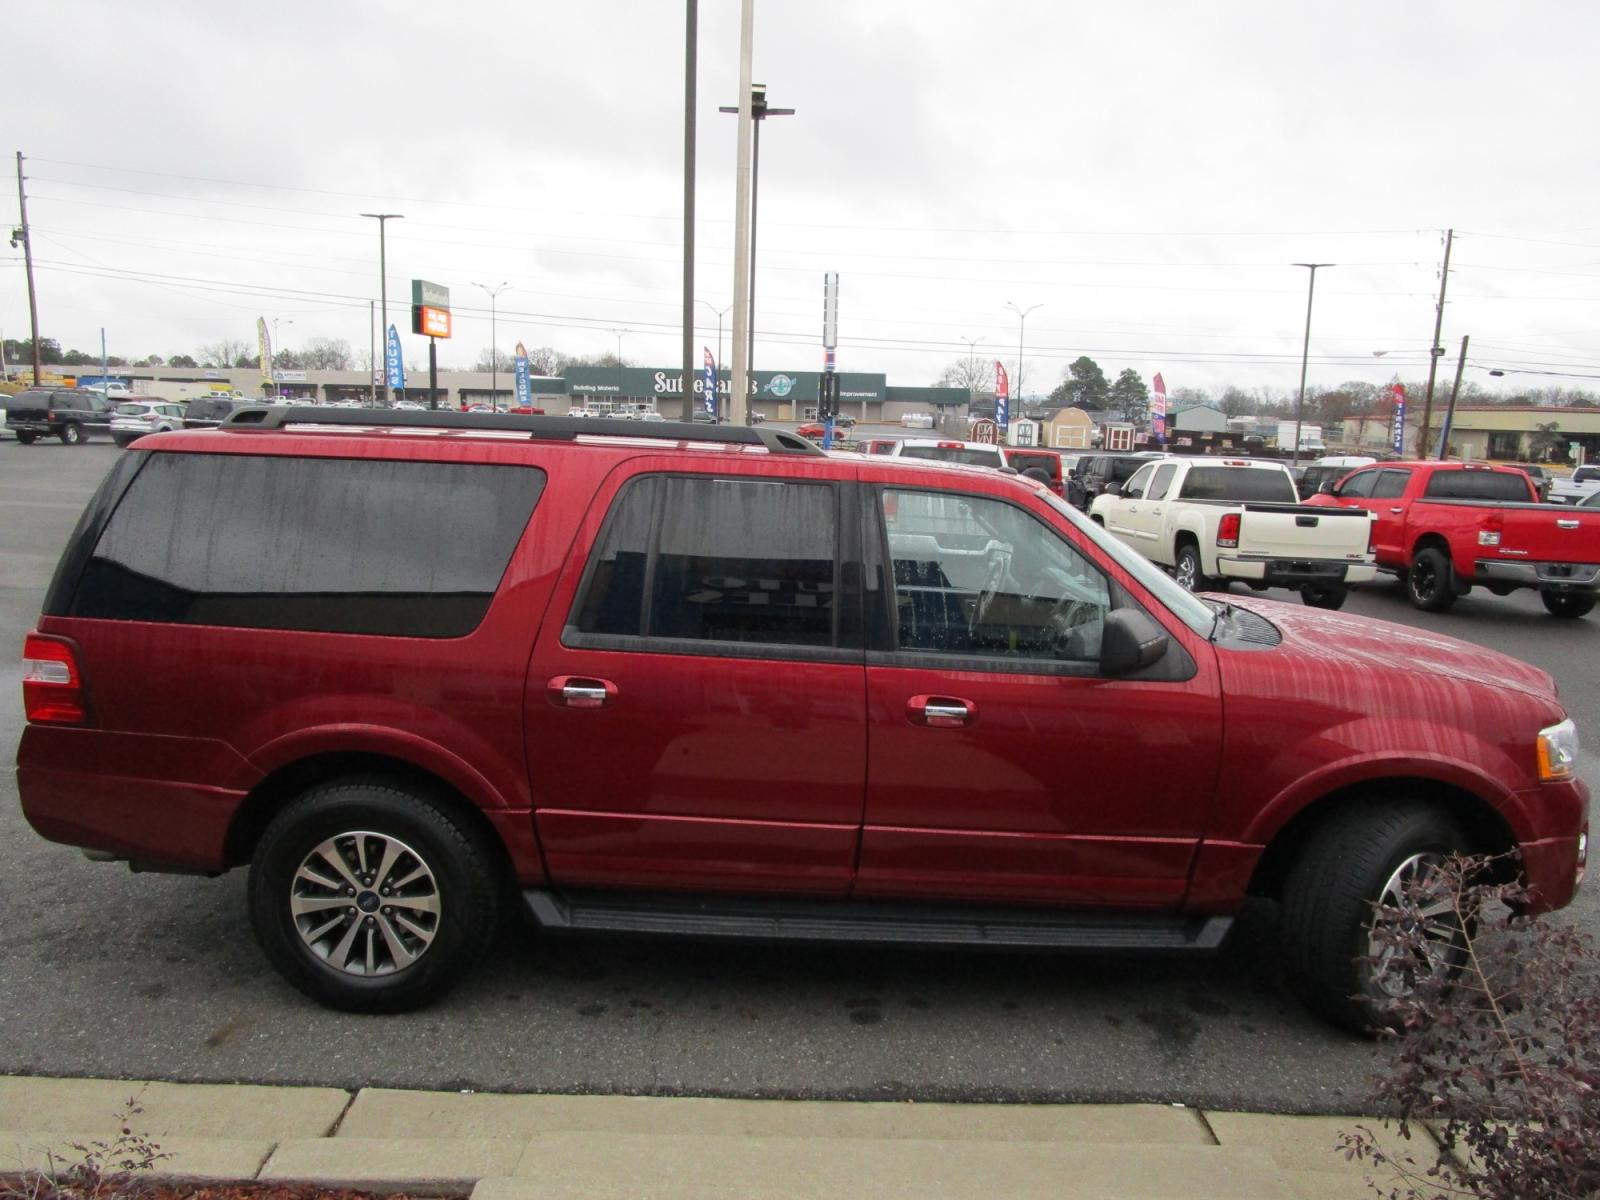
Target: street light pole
<point>759,112</point>
<point>1305,356</point>
<point>1022,318</point>
<point>383,220</point>
<point>972,369</point>
<point>619,333</point>
<point>494,347</point>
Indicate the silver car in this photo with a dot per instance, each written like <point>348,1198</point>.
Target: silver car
<point>132,419</point>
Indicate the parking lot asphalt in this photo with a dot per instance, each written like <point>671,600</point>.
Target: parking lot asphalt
<point>106,973</point>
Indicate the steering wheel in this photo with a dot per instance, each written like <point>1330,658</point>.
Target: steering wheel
<point>1069,616</point>
<point>993,579</point>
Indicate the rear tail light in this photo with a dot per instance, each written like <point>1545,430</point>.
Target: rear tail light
<point>1489,532</point>
<point>1372,535</point>
<point>1228,530</point>
<point>52,685</point>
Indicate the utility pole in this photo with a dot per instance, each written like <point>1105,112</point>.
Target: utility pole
<point>1436,351</point>
<point>1450,413</point>
<point>372,352</point>
<point>383,220</point>
<point>690,53</point>
<point>1305,357</point>
<point>26,239</point>
<point>739,385</point>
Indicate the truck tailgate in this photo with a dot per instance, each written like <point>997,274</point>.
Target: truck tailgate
<point>1540,533</point>
<point>1300,531</point>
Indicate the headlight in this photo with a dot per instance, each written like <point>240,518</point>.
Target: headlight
<point>1558,751</point>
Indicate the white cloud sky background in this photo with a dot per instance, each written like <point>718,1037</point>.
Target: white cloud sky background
<point>1147,172</point>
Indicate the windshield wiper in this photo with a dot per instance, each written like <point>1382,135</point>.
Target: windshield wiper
<point>1224,609</point>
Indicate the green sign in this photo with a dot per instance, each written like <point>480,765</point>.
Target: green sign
<point>430,294</point>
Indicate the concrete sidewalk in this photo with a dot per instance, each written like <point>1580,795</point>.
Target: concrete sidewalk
<point>540,1147</point>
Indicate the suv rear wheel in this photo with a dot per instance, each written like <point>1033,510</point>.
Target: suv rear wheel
<point>371,897</point>
<point>1355,867</point>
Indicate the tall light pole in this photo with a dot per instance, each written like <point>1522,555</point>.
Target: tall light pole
<point>494,347</point>
<point>383,220</point>
<point>277,348</point>
<point>1305,355</point>
<point>759,112</point>
<point>972,369</point>
<point>1022,319</point>
<point>721,312</point>
<point>619,333</point>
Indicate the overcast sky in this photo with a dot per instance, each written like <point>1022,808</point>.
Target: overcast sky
<point>1145,172</point>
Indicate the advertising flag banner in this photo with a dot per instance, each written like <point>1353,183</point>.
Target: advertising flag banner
<point>708,383</point>
<point>524,392</point>
<point>1002,397</point>
<point>393,363</point>
<point>1158,410</point>
<point>1398,391</point>
<point>264,343</point>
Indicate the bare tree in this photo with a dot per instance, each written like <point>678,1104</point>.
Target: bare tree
<point>326,354</point>
<point>972,373</point>
<point>224,353</point>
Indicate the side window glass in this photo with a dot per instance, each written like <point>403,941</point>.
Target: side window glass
<point>980,577</point>
<point>723,560</point>
<point>1390,484</point>
<point>1134,488</point>
<point>1161,482</point>
<point>1360,484</point>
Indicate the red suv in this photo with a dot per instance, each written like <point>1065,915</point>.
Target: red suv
<point>711,681</point>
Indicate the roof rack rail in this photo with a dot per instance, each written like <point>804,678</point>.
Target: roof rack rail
<point>277,417</point>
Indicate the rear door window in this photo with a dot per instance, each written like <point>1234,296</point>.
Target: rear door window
<point>409,549</point>
<point>689,558</point>
<point>1391,484</point>
<point>1161,482</point>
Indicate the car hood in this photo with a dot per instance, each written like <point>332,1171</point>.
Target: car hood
<point>1342,640</point>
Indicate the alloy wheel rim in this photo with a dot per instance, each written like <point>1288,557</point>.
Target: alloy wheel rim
<point>1186,573</point>
<point>364,903</point>
<point>1395,969</point>
<point>1422,581</point>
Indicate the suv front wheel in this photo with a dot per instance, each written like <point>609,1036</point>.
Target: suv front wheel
<point>372,898</point>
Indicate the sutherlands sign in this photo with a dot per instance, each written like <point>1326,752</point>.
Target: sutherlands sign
<point>787,387</point>
<point>430,309</point>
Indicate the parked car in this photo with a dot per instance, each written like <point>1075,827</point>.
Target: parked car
<point>1100,469</point>
<point>1447,527</point>
<point>135,418</point>
<point>208,412</point>
<point>980,454</point>
<point>713,682</point>
<point>1222,519</point>
<point>1329,469</point>
<point>1581,484</point>
<point>878,446</point>
<point>72,414</point>
<point>1042,464</point>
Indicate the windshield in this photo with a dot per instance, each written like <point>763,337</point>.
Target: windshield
<point>1188,608</point>
<point>972,455</point>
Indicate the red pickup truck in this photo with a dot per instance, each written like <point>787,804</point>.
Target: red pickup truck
<point>1446,527</point>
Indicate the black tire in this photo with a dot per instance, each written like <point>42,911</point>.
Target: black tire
<point>1329,596</point>
<point>72,434</point>
<point>1430,583</point>
<point>462,882</point>
<point>122,440</point>
<point>1330,894</point>
<point>26,438</point>
<point>1565,604</point>
<point>1186,569</point>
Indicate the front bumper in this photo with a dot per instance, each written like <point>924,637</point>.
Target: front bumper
<point>1546,576</point>
<point>1295,572</point>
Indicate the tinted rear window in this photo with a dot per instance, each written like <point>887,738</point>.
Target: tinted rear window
<point>1479,485</point>
<point>959,454</point>
<point>333,545</point>
<point>1240,484</point>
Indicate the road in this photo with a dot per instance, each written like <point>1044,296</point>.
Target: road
<point>107,973</point>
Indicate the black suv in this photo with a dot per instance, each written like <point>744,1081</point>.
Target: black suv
<point>71,414</point>
<point>1094,473</point>
<point>207,412</point>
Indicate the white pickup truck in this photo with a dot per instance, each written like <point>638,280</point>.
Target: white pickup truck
<point>1212,520</point>
<point>1577,487</point>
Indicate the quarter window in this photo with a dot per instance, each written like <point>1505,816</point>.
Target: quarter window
<point>976,576</point>
<point>716,560</point>
<point>333,545</point>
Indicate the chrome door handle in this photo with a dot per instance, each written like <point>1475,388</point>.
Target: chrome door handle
<point>941,712</point>
<point>1565,523</point>
<point>578,691</point>
<point>1397,510</point>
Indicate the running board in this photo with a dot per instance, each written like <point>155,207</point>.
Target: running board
<point>836,921</point>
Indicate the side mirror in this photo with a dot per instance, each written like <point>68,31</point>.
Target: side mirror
<point>1328,489</point>
<point>1130,641</point>
<point>1111,489</point>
